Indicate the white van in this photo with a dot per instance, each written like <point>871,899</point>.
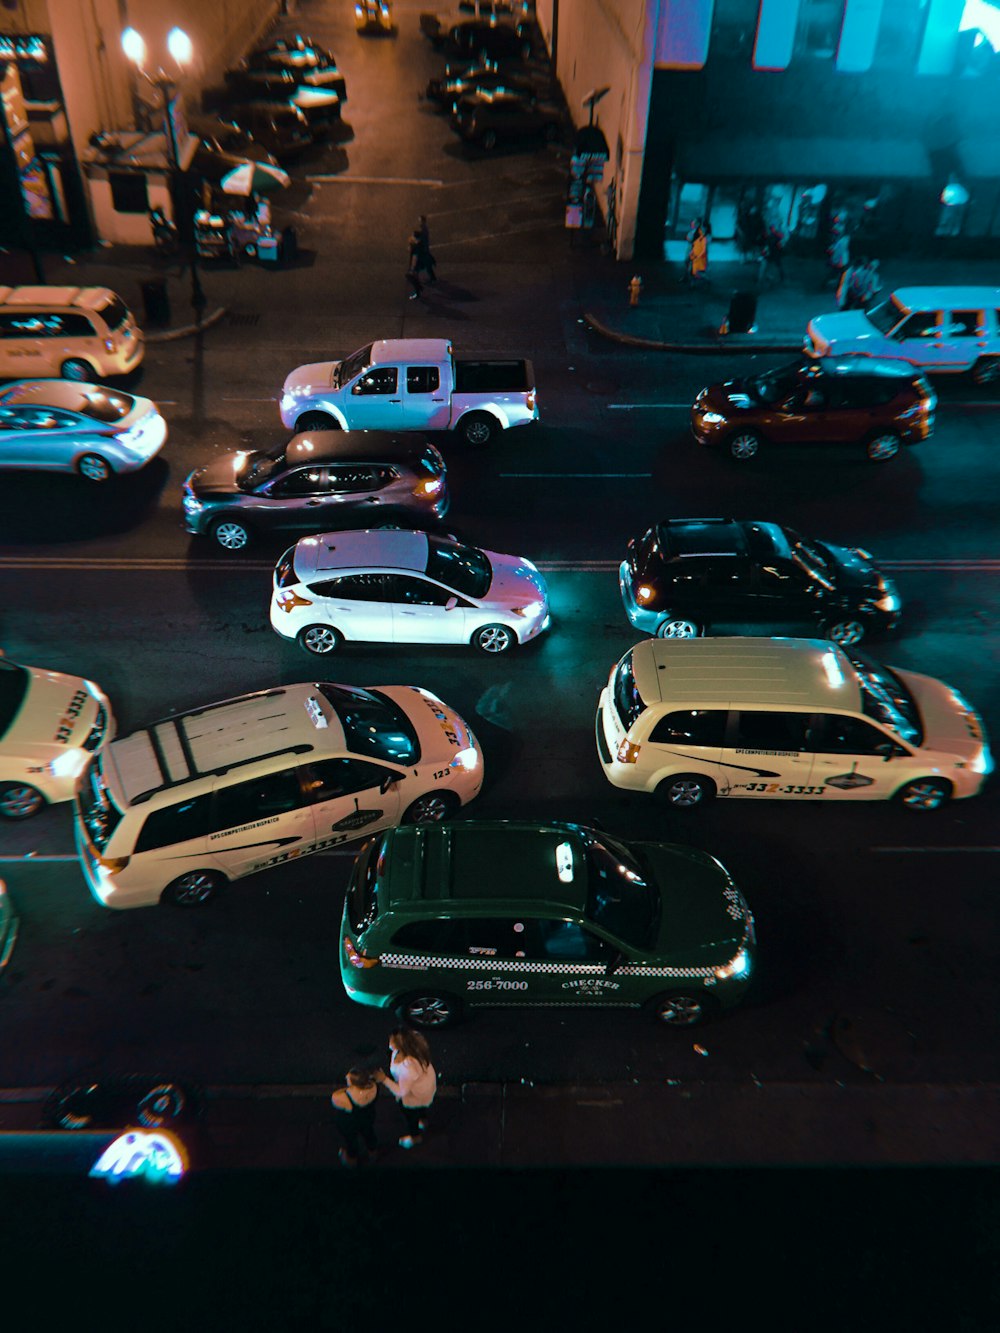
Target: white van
<point>788,718</point>
<point>69,333</point>
<point>174,812</point>
<point>941,330</point>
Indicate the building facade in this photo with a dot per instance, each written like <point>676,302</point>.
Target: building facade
<point>65,78</point>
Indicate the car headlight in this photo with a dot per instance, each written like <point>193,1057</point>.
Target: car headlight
<point>737,967</point>
<point>529,609</point>
<point>645,593</point>
<point>889,601</point>
<point>467,759</point>
<point>69,764</point>
<point>192,505</point>
<point>712,418</point>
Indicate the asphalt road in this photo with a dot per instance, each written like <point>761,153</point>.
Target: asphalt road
<point>877,929</point>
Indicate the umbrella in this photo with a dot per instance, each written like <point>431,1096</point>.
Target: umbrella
<point>254,178</point>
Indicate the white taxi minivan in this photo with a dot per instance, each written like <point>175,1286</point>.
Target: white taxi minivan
<point>71,333</point>
<point>172,813</point>
<point>941,330</point>
<point>795,719</point>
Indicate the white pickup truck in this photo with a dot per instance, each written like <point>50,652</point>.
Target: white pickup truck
<point>411,384</point>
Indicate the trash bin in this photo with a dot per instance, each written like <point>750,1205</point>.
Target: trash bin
<point>289,245</point>
<point>742,315</point>
<point>156,302</point>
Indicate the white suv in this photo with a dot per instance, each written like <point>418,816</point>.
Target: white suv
<point>405,587</point>
<point>939,329</point>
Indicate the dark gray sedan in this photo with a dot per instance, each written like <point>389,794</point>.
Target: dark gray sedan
<point>319,480</point>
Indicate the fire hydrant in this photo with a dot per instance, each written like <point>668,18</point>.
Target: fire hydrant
<point>634,290</point>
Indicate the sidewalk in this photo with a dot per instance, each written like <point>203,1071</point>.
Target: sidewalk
<point>675,317</point>
<point>494,1125</point>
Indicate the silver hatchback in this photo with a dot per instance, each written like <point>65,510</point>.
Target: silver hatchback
<point>63,426</point>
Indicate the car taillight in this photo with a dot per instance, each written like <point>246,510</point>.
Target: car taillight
<point>289,600</point>
<point>531,399</point>
<point>355,957</point>
<point>628,753</point>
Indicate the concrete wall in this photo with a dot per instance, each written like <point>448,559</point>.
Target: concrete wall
<point>610,43</point>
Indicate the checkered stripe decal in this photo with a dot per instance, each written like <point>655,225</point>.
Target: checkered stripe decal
<point>518,965</point>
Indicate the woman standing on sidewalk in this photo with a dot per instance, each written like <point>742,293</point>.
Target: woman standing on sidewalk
<point>354,1113</point>
<point>411,1080</point>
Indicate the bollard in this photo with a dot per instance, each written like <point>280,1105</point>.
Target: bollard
<point>634,288</point>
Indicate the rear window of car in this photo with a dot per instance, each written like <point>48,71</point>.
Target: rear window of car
<point>13,688</point>
<point>629,703</point>
<point>114,313</point>
<point>104,405</point>
<point>362,897</point>
<point>374,726</point>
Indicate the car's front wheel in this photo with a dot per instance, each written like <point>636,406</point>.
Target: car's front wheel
<point>161,1105</point>
<point>231,534</point>
<point>77,370</point>
<point>92,467</point>
<point>986,370</point>
<point>320,639</point>
<point>744,445</point>
<point>193,889</point>
<point>684,1009</point>
<point>685,791</point>
<point>494,639</point>
<point>430,1009</point>
<point>432,808</point>
<point>846,630</point>
<point>677,627</point>
<point>925,794</point>
<point>883,446</point>
<point>316,421</point>
<point>19,800</point>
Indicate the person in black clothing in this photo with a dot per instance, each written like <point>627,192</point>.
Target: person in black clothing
<point>354,1113</point>
<point>414,267</point>
<point>426,263</point>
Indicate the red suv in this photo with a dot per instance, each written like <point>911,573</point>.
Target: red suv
<point>874,402</point>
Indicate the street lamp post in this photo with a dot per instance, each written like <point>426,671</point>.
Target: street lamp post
<point>179,46</point>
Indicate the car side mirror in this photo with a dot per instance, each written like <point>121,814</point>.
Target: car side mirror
<point>388,782</point>
<point>887,750</point>
<point>614,963</point>
<point>451,603</point>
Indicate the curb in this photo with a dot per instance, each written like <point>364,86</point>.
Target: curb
<point>732,340</point>
<point>186,330</point>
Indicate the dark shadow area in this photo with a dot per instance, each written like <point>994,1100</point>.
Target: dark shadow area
<point>60,508</point>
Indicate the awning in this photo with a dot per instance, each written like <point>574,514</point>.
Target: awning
<point>804,161</point>
<point>979,158</point>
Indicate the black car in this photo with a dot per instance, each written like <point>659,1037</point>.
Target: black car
<point>493,115</point>
<point>296,51</point>
<point>282,129</point>
<point>475,78</point>
<point>311,66</point>
<point>318,481</point>
<point>224,139</point>
<point>688,576</point>
<point>498,40</point>
<point>273,84</point>
<point>436,26</point>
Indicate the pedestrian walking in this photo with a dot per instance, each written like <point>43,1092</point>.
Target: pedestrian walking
<point>354,1115</point>
<point>848,289</point>
<point>771,262</point>
<point>411,1080</point>
<point>697,260</point>
<point>872,283</point>
<point>838,252</point>
<point>413,268</point>
<point>426,263</point>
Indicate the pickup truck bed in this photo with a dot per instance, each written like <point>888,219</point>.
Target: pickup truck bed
<point>492,376</point>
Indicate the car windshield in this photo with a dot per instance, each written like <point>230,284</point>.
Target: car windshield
<point>255,468</point>
<point>362,898</point>
<point>885,316</point>
<point>352,365</point>
<point>774,386</point>
<point>114,313</point>
<point>98,812</point>
<point>13,687</point>
<point>628,701</point>
<point>463,568</point>
<point>620,898</point>
<point>373,725</point>
<point>886,699</point>
<point>104,404</point>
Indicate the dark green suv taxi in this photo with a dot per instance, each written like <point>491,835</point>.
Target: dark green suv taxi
<point>454,916</point>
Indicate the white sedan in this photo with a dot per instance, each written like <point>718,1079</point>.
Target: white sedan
<point>405,587</point>
<point>50,726</point>
<point>63,426</point>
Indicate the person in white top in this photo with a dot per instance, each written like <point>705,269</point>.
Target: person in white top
<point>411,1080</point>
